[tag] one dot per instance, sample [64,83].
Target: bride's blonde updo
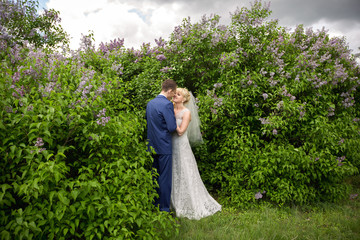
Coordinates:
[185,93]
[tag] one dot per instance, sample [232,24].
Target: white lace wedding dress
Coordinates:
[189,197]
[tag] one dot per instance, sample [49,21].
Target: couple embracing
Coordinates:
[169,126]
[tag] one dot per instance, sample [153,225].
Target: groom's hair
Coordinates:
[168,84]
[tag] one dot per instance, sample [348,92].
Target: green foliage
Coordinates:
[280,126]
[74,160]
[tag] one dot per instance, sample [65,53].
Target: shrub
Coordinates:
[281,121]
[74,160]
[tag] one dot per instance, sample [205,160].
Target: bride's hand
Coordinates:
[178,131]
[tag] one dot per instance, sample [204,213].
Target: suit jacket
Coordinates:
[161,123]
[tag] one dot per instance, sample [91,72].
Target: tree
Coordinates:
[20,22]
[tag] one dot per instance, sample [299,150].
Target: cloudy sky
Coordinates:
[139,21]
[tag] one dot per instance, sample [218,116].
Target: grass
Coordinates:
[319,221]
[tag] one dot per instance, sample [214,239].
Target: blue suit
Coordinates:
[161,123]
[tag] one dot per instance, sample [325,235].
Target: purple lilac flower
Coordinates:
[233,63]
[302,114]
[348,102]
[215,39]
[86,43]
[16,77]
[160,57]
[8,109]
[103,121]
[230,59]
[204,35]
[30,108]
[39,142]
[265,96]
[161,42]
[353,196]
[218,102]
[114,44]
[49,87]
[213,110]
[284,92]
[341,141]
[117,68]
[218,85]
[101,113]
[331,112]
[340,72]
[166,69]
[258,195]
[273,82]
[86,91]
[264,121]
[100,90]
[222,28]
[340,159]
[86,77]
[263,72]
[275,132]
[42,149]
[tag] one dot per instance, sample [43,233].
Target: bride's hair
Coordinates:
[185,93]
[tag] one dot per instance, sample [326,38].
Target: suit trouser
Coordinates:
[163,165]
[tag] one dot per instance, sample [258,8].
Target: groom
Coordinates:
[161,123]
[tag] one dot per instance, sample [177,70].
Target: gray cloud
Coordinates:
[340,17]
[296,11]
[92,12]
[310,11]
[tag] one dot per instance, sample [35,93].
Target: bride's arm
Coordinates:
[184,124]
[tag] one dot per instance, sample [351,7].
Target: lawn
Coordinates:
[318,221]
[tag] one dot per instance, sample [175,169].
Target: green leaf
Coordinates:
[46,132]
[63,198]
[75,193]
[49,156]
[51,196]
[19,220]
[5,235]
[77,221]
[5,186]
[12,149]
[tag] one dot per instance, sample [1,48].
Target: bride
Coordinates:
[189,197]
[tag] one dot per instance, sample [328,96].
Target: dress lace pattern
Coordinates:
[189,197]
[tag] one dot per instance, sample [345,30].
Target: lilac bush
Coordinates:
[284,94]
[289,97]
[72,148]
